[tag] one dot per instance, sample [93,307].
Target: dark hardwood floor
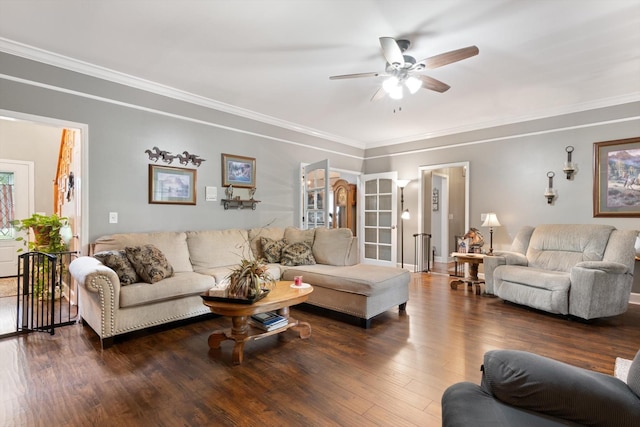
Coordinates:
[392,374]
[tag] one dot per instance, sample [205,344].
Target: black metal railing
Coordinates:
[46,292]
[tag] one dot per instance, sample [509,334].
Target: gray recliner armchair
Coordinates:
[583,270]
[524,389]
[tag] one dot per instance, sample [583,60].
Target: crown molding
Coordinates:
[40,55]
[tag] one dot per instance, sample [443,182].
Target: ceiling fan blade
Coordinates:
[433,84]
[449,57]
[392,52]
[378,95]
[354,76]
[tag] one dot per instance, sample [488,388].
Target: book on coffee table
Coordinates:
[268,318]
[271,327]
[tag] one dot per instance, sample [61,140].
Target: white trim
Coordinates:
[164,113]
[65,62]
[502,138]
[634,299]
[50,58]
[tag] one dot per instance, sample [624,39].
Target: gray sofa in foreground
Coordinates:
[583,270]
[113,303]
[524,389]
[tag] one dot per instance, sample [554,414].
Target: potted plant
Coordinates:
[249,279]
[46,230]
[47,239]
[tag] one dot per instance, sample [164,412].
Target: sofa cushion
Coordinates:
[149,262]
[179,285]
[117,261]
[295,235]
[299,253]
[333,246]
[172,244]
[561,246]
[633,377]
[546,279]
[275,233]
[532,382]
[217,248]
[362,279]
[272,249]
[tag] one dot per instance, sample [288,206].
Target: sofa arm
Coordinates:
[92,274]
[606,266]
[599,289]
[544,385]
[491,262]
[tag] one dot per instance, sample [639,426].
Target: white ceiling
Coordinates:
[271,59]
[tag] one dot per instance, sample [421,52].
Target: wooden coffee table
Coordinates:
[280,298]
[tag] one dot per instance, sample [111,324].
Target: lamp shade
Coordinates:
[491,220]
[402,182]
[405,214]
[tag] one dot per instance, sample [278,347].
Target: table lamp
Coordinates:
[491,220]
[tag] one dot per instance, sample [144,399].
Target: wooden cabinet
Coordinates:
[344,205]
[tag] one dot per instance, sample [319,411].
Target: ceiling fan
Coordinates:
[402,70]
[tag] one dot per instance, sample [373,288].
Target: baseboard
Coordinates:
[634,299]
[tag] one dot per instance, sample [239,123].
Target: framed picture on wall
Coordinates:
[238,171]
[171,185]
[616,178]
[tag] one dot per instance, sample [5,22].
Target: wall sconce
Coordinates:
[550,193]
[404,215]
[569,166]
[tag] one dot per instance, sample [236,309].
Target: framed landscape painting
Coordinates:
[616,178]
[170,185]
[238,171]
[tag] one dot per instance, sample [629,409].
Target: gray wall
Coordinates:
[123,122]
[508,164]
[508,167]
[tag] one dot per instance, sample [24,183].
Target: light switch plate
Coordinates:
[113,217]
[211,194]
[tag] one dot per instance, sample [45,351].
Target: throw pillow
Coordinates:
[118,262]
[149,262]
[633,378]
[272,249]
[299,253]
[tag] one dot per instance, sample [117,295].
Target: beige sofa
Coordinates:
[201,260]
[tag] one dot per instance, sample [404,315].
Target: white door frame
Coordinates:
[82,181]
[421,169]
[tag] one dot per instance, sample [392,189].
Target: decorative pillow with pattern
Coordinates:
[272,249]
[149,262]
[118,262]
[299,253]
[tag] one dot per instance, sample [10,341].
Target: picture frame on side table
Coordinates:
[172,186]
[616,178]
[238,171]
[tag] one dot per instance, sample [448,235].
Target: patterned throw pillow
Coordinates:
[272,249]
[149,262]
[297,254]
[118,262]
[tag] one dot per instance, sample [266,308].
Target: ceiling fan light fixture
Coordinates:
[413,84]
[396,93]
[390,85]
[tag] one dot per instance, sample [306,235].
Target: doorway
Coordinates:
[444,210]
[35,140]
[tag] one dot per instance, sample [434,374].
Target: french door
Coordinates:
[378,228]
[316,204]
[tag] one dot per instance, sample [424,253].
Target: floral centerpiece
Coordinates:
[249,279]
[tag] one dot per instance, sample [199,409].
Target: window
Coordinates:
[7,212]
